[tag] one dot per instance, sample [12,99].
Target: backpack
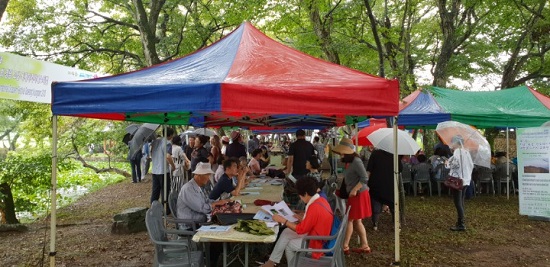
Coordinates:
[336,222]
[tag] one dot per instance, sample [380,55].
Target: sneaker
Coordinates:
[375,227]
[458,228]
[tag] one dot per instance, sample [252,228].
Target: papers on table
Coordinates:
[215,228]
[254,188]
[263,216]
[280,209]
[244,193]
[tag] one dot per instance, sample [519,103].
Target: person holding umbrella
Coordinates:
[381,182]
[135,163]
[355,179]
[461,166]
[162,162]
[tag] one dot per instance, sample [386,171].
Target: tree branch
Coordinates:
[111,20]
[85,164]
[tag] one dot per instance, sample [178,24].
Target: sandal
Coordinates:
[346,251]
[365,250]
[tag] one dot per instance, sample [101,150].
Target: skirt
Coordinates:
[360,206]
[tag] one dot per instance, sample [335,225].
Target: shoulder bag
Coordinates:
[455,182]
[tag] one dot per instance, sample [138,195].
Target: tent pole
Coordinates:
[397,223]
[356,138]
[507,164]
[165,187]
[53,193]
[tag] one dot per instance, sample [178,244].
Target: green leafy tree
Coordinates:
[27,174]
[8,127]
[113,36]
[527,44]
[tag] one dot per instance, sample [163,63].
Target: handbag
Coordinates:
[343,192]
[453,182]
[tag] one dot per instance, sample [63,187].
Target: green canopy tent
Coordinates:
[514,107]
[509,108]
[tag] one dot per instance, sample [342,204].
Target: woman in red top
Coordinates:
[317,220]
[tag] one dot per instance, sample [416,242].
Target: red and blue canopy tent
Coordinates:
[418,109]
[246,79]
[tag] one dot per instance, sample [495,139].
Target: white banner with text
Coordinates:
[533,147]
[28,79]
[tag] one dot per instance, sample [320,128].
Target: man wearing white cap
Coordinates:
[193,203]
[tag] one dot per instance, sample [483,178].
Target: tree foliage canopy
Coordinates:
[500,43]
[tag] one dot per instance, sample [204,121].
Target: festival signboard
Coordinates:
[533,147]
[28,79]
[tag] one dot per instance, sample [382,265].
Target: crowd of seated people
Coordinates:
[420,167]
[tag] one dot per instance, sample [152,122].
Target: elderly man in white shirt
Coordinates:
[193,203]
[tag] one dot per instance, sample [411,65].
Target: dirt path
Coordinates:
[84,233]
[497,235]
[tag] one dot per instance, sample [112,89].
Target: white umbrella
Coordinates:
[383,139]
[474,142]
[188,133]
[204,131]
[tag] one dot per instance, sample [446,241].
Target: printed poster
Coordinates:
[28,79]
[533,147]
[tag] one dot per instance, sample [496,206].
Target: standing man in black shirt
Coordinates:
[298,154]
[235,149]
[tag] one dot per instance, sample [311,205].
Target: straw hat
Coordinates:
[235,135]
[344,147]
[203,168]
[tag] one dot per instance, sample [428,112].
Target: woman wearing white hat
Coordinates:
[355,179]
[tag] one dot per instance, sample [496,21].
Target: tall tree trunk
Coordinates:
[3,6]
[147,28]
[9,205]
[13,142]
[322,29]
[447,17]
[379,46]
[457,23]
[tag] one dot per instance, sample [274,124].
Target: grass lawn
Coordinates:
[496,235]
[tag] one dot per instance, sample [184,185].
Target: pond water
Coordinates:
[68,196]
